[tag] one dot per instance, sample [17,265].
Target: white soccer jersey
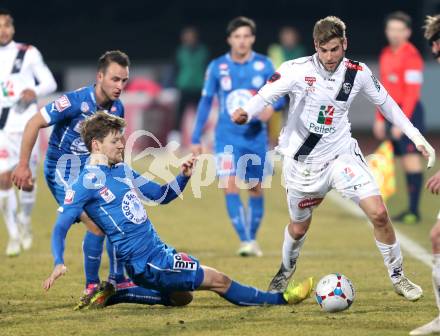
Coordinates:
[32,69]
[318,127]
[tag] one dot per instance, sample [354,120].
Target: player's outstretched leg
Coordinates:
[8,205]
[92,249]
[243,295]
[27,201]
[433,326]
[290,254]
[389,247]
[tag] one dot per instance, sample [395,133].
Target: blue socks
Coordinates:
[237,215]
[249,296]
[116,268]
[92,249]
[414,182]
[255,213]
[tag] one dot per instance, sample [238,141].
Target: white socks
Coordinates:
[27,202]
[392,258]
[291,248]
[8,205]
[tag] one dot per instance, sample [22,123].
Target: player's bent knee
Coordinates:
[435,234]
[179,299]
[379,216]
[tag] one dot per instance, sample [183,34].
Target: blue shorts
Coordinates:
[244,158]
[168,271]
[404,145]
[59,178]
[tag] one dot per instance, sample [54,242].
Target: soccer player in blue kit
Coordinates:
[240,151]
[66,154]
[109,191]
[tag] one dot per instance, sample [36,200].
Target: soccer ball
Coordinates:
[334,293]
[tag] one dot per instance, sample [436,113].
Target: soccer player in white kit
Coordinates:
[432,34]
[21,66]
[319,152]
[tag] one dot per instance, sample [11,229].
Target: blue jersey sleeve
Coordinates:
[210,88]
[161,194]
[65,107]
[69,212]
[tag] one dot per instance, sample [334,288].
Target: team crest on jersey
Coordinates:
[68,198]
[223,66]
[62,103]
[257,81]
[113,109]
[85,107]
[346,87]
[226,83]
[133,209]
[258,65]
[107,195]
[310,80]
[182,261]
[275,76]
[238,98]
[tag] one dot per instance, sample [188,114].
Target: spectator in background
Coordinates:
[288,48]
[401,72]
[191,61]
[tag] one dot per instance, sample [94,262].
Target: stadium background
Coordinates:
[72,35]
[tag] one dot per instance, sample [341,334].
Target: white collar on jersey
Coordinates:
[10,45]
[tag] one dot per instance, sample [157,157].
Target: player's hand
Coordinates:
[196,149]
[58,271]
[379,129]
[433,184]
[22,177]
[239,116]
[28,96]
[266,114]
[396,133]
[187,167]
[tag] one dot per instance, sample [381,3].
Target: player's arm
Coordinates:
[210,88]
[278,85]
[73,206]
[46,81]
[377,94]
[50,114]
[164,194]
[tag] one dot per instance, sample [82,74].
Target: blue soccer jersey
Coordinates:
[65,143]
[111,197]
[234,84]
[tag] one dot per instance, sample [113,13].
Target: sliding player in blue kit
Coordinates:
[109,191]
[240,152]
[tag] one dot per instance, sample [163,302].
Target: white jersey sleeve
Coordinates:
[279,84]
[371,88]
[46,81]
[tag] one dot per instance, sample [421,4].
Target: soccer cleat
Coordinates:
[409,290]
[101,296]
[256,249]
[25,232]
[245,249]
[13,249]
[84,300]
[407,217]
[281,279]
[428,329]
[297,293]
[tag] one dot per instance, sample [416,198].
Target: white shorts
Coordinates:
[307,184]
[10,144]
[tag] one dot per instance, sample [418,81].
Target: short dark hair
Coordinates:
[327,29]
[113,56]
[98,126]
[7,12]
[241,21]
[399,16]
